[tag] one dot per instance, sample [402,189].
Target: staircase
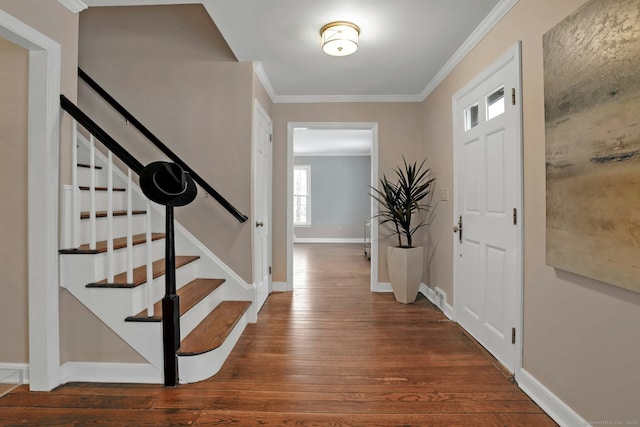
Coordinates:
[113,263]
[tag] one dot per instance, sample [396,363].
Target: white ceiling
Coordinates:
[331,142]
[406,48]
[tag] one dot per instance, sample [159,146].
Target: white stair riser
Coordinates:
[138,223]
[120,264]
[80,270]
[84,177]
[102,201]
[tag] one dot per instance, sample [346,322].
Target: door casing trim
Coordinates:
[43,192]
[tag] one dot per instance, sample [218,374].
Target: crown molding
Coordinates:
[74,6]
[306,99]
[262,76]
[478,34]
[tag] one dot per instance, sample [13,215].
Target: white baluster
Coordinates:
[150,300]
[92,190]
[129,229]
[110,260]
[75,192]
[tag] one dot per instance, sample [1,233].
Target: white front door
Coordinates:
[262,204]
[487,223]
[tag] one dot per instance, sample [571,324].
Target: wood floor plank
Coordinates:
[53,400]
[330,353]
[254,418]
[96,417]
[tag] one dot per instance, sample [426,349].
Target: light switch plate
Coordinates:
[444,194]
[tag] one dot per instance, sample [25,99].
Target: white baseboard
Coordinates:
[549,402]
[384,287]
[279,287]
[429,294]
[328,240]
[439,298]
[136,373]
[10,372]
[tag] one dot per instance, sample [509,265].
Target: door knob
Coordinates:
[259,224]
[458,229]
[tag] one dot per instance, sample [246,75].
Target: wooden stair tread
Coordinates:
[214,329]
[119,243]
[83,165]
[190,295]
[140,274]
[103,214]
[87,188]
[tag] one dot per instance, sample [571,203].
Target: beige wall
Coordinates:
[58,23]
[399,133]
[14,68]
[580,335]
[85,338]
[172,69]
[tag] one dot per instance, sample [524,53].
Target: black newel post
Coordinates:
[169,185]
[170,308]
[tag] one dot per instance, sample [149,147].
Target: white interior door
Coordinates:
[262,205]
[488,185]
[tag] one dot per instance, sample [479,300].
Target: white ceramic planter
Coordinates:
[405,272]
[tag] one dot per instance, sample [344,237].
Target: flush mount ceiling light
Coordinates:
[339,38]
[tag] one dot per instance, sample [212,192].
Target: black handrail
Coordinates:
[161,146]
[102,136]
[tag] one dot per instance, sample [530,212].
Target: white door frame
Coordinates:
[259,110]
[373,127]
[513,54]
[43,164]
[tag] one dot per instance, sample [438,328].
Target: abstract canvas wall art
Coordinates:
[592,124]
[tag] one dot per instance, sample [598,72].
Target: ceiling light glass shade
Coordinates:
[339,38]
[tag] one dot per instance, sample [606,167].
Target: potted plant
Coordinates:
[401,202]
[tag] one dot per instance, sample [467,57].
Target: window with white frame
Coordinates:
[302,195]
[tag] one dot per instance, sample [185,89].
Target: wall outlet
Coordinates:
[439,298]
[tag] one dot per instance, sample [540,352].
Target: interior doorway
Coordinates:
[330,167]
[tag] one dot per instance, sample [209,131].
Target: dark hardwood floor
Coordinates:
[329,354]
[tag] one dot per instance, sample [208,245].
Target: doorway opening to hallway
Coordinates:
[331,167]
